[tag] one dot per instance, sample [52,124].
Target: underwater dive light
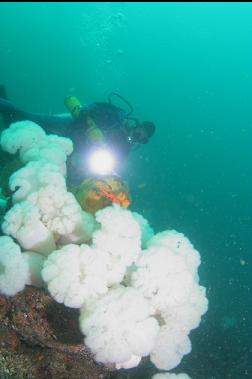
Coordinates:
[102,161]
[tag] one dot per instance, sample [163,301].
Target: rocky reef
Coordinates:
[40,338]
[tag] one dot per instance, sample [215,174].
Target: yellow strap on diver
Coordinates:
[95,135]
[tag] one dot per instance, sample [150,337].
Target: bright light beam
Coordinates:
[102,162]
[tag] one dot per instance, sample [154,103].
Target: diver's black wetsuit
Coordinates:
[106,117]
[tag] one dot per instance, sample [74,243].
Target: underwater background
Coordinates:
[188,68]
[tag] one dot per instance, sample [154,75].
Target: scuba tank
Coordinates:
[73,105]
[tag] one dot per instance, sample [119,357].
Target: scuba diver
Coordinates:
[98,124]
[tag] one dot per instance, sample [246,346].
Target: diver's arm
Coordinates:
[60,125]
[51,124]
